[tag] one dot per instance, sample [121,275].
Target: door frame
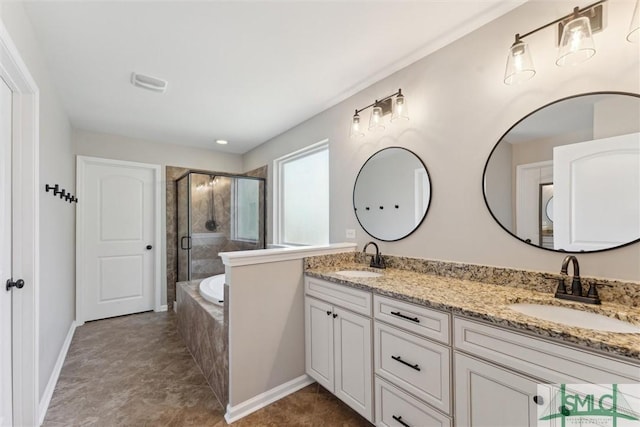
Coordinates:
[26,229]
[81,162]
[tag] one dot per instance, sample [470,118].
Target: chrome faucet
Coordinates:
[376,260]
[576,285]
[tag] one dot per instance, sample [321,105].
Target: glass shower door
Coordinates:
[184,228]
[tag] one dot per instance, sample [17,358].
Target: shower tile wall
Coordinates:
[206,244]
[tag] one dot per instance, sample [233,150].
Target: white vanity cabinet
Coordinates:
[502,389]
[487,395]
[413,372]
[338,342]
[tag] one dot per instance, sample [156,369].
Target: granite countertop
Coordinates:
[489,303]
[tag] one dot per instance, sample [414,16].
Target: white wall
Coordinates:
[118,147]
[459,108]
[57,217]
[267,349]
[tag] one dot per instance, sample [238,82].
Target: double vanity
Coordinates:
[432,343]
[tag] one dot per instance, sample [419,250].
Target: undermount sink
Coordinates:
[578,318]
[358,273]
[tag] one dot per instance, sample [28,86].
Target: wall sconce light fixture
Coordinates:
[396,104]
[575,42]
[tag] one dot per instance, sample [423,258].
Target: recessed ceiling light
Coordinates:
[221,142]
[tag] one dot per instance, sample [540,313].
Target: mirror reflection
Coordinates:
[567,176]
[392,193]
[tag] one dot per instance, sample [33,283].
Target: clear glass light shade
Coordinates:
[375,122]
[519,64]
[576,44]
[356,127]
[400,111]
[634,28]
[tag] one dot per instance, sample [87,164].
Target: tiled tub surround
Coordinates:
[484,293]
[205,331]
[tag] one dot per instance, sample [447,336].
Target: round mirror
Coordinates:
[392,193]
[567,176]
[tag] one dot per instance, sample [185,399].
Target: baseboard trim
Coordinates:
[53,379]
[234,413]
[162,308]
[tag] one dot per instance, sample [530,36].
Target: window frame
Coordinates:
[278,199]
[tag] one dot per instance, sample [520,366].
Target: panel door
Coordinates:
[117,217]
[5,255]
[319,341]
[353,368]
[528,180]
[597,193]
[488,396]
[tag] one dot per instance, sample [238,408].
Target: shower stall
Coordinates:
[217,213]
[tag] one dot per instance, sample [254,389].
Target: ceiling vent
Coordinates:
[147,82]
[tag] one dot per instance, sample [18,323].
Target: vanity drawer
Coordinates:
[415,364]
[395,407]
[414,318]
[341,295]
[551,362]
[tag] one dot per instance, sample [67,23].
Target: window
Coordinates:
[301,196]
[246,209]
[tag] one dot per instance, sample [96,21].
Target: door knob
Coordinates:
[149,247]
[17,284]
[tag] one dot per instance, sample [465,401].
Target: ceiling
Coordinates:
[237,70]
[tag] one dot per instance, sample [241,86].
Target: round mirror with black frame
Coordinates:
[566,177]
[392,194]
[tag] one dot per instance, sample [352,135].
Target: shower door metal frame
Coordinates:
[189,222]
[188,236]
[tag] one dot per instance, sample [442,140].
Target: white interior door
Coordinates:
[597,193]
[117,221]
[528,180]
[6,401]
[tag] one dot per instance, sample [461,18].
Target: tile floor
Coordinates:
[135,371]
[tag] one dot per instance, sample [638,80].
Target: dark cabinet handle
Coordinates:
[399,359]
[399,419]
[149,247]
[538,400]
[413,319]
[328,313]
[335,315]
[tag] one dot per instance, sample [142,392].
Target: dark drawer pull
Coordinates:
[399,419]
[413,319]
[399,359]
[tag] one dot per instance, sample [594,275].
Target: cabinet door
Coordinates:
[353,373]
[319,341]
[488,396]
